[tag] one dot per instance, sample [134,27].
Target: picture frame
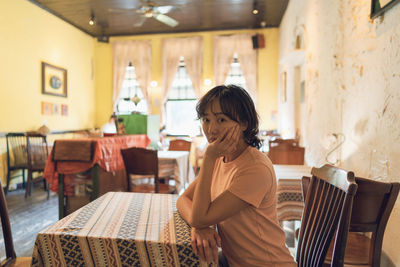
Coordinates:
[378,7]
[54,80]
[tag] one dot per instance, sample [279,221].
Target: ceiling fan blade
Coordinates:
[166,20]
[140,21]
[164,9]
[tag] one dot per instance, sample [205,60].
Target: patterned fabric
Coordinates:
[119,229]
[289,193]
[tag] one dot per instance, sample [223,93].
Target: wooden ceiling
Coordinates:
[118,17]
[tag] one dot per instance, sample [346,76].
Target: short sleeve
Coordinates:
[252,184]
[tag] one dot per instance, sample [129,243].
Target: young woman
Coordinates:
[235,189]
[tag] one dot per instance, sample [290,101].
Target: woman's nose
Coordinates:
[213,128]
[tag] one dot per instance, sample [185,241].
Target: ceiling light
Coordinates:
[91,20]
[255,8]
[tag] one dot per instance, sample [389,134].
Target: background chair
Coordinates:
[11,259]
[144,162]
[372,206]
[16,157]
[286,151]
[38,153]
[180,145]
[327,210]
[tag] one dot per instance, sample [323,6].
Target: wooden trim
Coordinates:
[3,134]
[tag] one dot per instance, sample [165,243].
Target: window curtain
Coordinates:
[224,48]
[139,53]
[191,48]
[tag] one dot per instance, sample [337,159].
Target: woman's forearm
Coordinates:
[184,206]
[202,194]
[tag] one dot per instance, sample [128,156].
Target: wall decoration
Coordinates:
[56,109]
[47,108]
[54,80]
[283,86]
[378,7]
[64,110]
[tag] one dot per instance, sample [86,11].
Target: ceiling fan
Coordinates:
[150,9]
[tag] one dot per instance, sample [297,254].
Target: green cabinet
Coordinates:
[142,124]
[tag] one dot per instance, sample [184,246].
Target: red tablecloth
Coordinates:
[106,153]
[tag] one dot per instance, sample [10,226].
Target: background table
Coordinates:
[289,193]
[130,229]
[88,168]
[178,161]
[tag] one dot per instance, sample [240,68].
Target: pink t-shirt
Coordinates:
[253,236]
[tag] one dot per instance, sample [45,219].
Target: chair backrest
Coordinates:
[141,161]
[5,223]
[286,151]
[38,151]
[16,150]
[180,145]
[327,211]
[372,206]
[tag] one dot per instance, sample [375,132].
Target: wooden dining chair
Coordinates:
[16,157]
[327,210]
[372,206]
[38,152]
[144,163]
[180,145]
[286,151]
[11,258]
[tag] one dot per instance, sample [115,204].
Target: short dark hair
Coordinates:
[237,104]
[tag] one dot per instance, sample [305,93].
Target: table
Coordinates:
[119,229]
[178,161]
[289,193]
[88,168]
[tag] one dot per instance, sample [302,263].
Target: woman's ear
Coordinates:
[243,126]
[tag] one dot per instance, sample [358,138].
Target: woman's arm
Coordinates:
[184,203]
[204,212]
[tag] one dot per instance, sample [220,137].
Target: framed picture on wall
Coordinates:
[380,6]
[54,80]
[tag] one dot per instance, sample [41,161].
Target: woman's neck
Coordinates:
[239,150]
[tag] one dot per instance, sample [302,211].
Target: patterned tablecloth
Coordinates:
[119,229]
[289,193]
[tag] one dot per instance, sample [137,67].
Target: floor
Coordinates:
[30,215]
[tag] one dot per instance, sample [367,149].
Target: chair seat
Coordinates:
[21,262]
[149,188]
[357,250]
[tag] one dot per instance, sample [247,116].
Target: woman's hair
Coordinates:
[237,104]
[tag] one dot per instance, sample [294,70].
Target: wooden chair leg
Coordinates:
[28,185]
[8,181]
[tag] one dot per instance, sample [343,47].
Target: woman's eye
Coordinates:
[221,120]
[203,120]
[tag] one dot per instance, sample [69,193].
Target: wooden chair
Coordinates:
[38,152]
[327,210]
[372,207]
[180,145]
[16,156]
[144,162]
[286,151]
[11,258]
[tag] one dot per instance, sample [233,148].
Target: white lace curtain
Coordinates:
[137,52]
[224,49]
[191,48]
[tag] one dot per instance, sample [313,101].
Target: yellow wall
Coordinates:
[29,35]
[267,71]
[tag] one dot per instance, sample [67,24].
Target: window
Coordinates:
[235,75]
[130,89]
[181,116]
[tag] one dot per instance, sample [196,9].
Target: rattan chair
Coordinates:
[16,157]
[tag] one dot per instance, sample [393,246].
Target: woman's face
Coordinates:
[214,122]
